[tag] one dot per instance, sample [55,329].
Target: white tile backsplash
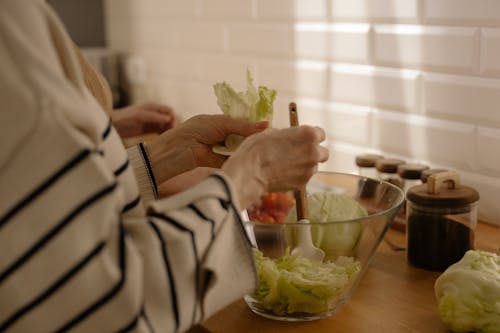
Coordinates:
[340,42]
[469,99]
[227,9]
[462,12]
[347,123]
[488,154]
[206,36]
[260,39]
[442,142]
[381,87]
[297,78]
[490,51]
[418,79]
[222,67]
[392,10]
[445,48]
[292,9]
[171,63]
[311,41]
[489,192]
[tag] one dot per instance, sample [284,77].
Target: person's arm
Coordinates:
[70,258]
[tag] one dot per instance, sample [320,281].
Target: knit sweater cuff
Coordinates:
[140,164]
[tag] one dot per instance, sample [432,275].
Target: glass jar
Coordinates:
[410,174]
[366,165]
[441,221]
[387,169]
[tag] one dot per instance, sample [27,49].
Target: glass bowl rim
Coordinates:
[395,207]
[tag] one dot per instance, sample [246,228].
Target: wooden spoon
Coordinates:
[305,246]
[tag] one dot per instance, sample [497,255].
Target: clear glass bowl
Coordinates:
[349,244]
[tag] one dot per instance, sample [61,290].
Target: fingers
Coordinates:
[324,154]
[161,109]
[318,136]
[276,160]
[156,122]
[312,134]
[240,127]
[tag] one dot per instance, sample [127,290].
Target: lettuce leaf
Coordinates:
[468,293]
[254,104]
[294,284]
[336,239]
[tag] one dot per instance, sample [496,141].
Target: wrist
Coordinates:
[168,158]
[247,180]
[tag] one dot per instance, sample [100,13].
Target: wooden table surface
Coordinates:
[392,297]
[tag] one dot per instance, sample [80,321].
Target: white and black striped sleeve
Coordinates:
[72,258]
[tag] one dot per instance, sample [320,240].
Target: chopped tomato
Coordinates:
[274,208]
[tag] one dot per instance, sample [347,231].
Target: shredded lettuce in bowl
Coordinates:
[294,284]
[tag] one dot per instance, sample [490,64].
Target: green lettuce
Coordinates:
[335,239]
[294,284]
[468,293]
[255,104]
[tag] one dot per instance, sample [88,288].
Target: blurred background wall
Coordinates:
[413,79]
[84,20]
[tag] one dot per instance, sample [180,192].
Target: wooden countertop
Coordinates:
[392,297]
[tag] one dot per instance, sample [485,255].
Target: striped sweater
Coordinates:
[84,247]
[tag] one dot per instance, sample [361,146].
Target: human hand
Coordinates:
[142,119]
[275,160]
[184,181]
[189,145]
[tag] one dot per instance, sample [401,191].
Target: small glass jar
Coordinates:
[410,174]
[387,169]
[441,221]
[366,165]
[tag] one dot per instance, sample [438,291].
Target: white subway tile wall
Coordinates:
[412,79]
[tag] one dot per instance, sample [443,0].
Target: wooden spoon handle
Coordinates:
[300,194]
[294,117]
[301,202]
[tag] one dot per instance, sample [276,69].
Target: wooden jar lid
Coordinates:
[388,165]
[367,160]
[411,170]
[443,190]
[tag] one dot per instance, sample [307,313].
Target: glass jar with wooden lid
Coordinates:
[387,169]
[410,174]
[441,221]
[366,165]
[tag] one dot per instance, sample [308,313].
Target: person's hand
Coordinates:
[275,160]
[184,181]
[142,119]
[189,145]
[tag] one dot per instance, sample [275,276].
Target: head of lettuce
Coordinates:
[468,293]
[254,105]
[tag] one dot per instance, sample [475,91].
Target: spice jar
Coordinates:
[410,174]
[387,170]
[441,220]
[366,165]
